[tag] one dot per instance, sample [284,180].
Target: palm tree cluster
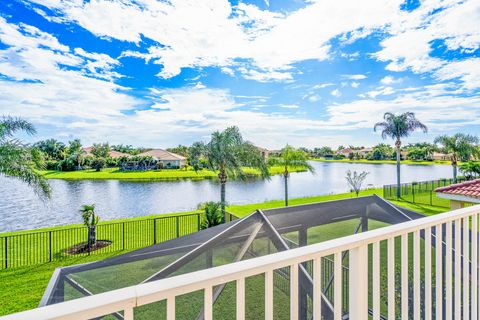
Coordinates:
[228,154]
[398,127]
[19,160]
[459,147]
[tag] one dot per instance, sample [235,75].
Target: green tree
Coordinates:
[180,150]
[101,150]
[459,147]
[90,220]
[470,169]
[53,149]
[355,180]
[17,159]
[227,153]
[397,127]
[213,214]
[290,158]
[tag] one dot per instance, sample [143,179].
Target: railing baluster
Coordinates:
[208,304]
[391,278]
[404,275]
[438,272]
[448,271]
[474,266]
[294,292]
[171,308]
[317,289]
[128,313]
[416,275]
[466,268]
[337,286]
[358,284]
[241,299]
[376,280]
[269,295]
[428,274]
[458,275]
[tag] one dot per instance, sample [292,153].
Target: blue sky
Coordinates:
[309,73]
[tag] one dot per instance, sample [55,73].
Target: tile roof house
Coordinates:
[461,193]
[166,158]
[112,153]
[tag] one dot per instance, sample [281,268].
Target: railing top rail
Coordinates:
[109,302]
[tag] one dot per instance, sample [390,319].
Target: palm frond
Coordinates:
[10,125]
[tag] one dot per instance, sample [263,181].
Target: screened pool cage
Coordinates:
[258,234]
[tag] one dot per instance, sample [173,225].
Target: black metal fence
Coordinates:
[420,192]
[31,248]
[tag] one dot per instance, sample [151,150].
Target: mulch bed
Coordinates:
[83,248]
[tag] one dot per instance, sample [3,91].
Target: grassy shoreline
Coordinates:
[166,174]
[409,162]
[27,284]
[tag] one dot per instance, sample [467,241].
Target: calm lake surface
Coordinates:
[21,209]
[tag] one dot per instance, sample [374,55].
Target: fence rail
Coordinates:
[38,247]
[422,192]
[427,268]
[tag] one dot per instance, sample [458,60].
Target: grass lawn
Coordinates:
[166,174]
[442,162]
[22,288]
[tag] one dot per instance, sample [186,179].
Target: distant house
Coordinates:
[461,194]
[345,152]
[440,156]
[112,153]
[264,152]
[165,158]
[364,152]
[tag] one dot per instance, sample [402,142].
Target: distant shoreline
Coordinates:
[364,161]
[151,175]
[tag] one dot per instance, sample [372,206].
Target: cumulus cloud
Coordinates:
[336,93]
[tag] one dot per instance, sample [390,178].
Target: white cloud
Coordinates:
[194,33]
[336,93]
[228,71]
[389,80]
[354,84]
[289,106]
[354,76]
[381,91]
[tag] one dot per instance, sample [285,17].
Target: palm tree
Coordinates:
[17,159]
[460,147]
[90,220]
[398,127]
[290,157]
[227,153]
[213,214]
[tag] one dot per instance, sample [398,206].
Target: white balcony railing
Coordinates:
[444,279]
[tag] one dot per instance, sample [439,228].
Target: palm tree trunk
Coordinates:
[454,165]
[285,175]
[92,237]
[398,145]
[223,181]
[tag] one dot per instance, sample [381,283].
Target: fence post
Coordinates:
[431,197]
[123,236]
[154,230]
[6,252]
[413,192]
[177,221]
[50,244]
[198,222]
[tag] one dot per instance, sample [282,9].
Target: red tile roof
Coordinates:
[467,189]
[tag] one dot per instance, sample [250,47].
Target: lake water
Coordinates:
[21,209]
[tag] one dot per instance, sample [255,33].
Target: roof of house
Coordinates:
[467,189]
[346,150]
[161,154]
[111,153]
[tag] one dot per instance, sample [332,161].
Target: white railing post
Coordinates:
[317,289]
[358,283]
[171,308]
[269,295]
[241,299]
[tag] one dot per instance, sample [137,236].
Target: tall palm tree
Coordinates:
[459,146]
[290,158]
[227,153]
[17,159]
[398,127]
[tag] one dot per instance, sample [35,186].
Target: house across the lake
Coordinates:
[112,153]
[165,159]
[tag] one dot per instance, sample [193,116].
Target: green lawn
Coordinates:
[438,162]
[166,174]
[22,288]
